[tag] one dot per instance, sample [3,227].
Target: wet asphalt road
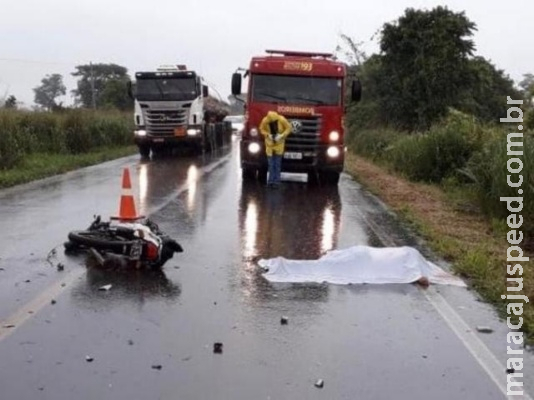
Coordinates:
[365,342]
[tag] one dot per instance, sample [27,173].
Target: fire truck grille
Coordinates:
[305,135]
[163,122]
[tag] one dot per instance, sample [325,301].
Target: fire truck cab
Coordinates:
[309,90]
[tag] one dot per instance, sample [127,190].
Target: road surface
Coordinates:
[151,336]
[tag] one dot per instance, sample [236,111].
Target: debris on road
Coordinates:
[105,287]
[8,326]
[284,320]
[217,348]
[510,371]
[158,367]
[319,383]
[484,329]
[53,302]
[130,342]
[89,359]
[60,267]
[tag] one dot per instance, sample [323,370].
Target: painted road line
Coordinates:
[478,349]
[30,309]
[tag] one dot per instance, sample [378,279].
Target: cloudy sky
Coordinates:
[39,37]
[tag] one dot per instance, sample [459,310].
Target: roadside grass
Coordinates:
[41,165]
[455,229]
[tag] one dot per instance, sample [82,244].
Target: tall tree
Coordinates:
[485,94]
[50,89]
[424,64]
[102,85]
[11,102]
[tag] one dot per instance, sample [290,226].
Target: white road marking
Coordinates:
[480,352]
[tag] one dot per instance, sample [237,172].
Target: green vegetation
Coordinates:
[37,144]
[430,123]
[37,166]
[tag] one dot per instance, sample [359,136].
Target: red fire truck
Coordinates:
[309,90]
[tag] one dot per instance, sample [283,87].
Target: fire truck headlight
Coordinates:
[140,133]
[333,136]
[193,132]
[254,132]
[333,152]
[253,148]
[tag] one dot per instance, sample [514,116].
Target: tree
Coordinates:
[527,86]
[424,65]
[485,94]
[51,87]
[103,84]
[11,102]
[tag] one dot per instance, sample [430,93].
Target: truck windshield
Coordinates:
[304,90]
[166,89]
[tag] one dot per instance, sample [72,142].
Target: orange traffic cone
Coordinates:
[127,205]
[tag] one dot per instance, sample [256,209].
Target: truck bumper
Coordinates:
[168,140]
[295,160]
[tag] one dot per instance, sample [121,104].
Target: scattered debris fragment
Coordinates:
[484,329]
[63,284]
[218,348]
[284,320]
[130,342]
[53,302]
[8,326]
[319,383]
[27,281]
[158,367]
[89,359]
[105,287]
[60,267]
[2,269]
[187,358]
[425,356]
[510,371]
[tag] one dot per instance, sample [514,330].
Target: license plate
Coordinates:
[159,140]
[136,249]
[293,156]
[179,131]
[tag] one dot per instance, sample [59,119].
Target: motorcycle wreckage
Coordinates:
[137,243]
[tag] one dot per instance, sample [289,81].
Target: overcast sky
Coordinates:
[40,37]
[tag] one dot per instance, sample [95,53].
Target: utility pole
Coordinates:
[93,94]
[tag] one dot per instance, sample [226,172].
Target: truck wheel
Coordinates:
[144,151]
[248,174]
[330,178]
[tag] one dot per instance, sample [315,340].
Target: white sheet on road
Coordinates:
[359,264]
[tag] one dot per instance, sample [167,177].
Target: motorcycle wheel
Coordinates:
[100,241]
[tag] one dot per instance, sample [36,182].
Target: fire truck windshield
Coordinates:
[302,90]
[165,88]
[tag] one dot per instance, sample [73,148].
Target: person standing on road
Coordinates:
[275,129]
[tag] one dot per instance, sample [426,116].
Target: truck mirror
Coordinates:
[356,90]
[205,91]
[129,88]
[236,83]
